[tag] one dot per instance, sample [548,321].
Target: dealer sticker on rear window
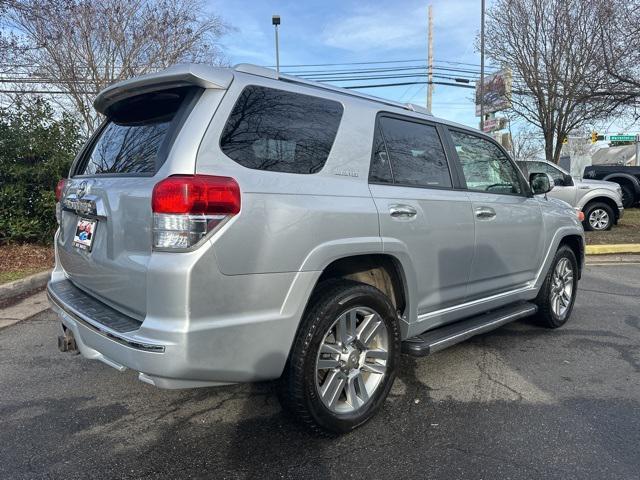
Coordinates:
[85,231]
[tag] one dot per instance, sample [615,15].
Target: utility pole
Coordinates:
[430,61]
[482,65]
[275,21]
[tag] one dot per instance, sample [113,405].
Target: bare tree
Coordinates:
[619,53]
[526,145]
[6,38]
[82,46]
[552,48]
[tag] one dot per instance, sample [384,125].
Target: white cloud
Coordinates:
[380,30]
[404,26]
[247,42]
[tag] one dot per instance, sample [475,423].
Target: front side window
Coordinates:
[281,131]
[486,168]
[412,154]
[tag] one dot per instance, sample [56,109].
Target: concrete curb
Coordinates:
[24,285]
[613,259]
[24,309]
[616,248]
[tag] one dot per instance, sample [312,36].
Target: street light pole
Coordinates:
[430,60]
[482,65]
[275,21]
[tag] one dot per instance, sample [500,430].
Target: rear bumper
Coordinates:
[192,351]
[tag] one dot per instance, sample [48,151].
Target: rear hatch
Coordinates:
[105,238]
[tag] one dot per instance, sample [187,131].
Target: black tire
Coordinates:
[546,314]
[628,196]
[298,392]
[598,209]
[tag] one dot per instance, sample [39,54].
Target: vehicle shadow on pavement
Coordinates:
[432,439]
[519,402]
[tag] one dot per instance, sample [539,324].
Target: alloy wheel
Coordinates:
[599,219]
[352,360]
[562,287]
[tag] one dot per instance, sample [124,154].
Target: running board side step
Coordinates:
[435,340]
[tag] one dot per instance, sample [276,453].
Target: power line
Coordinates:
[369,62]
[326,76]
[399,75]
[46,92]
[346,63]
[394,69]
[398,84]
[333,75]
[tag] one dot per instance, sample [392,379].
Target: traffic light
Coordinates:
[594,137]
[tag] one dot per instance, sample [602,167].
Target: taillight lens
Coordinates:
[187,207]
[59,192]
[60,188]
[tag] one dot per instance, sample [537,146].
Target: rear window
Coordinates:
[281,131]
[134,137]
[408,153]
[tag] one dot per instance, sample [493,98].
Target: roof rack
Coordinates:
[270,73]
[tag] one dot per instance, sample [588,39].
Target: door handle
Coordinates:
[402,211]
[485,213]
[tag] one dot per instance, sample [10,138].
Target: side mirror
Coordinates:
[540,183]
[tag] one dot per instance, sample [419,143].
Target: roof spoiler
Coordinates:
[177,76]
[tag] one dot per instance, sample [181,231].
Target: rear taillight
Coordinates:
[59,193]
[60,188]
[187,207]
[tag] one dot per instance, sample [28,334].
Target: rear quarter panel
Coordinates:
[292,222]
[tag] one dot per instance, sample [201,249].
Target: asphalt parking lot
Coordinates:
[520,402]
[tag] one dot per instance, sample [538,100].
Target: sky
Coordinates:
[314,32]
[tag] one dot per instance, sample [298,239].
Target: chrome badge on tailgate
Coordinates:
[80,206]
[77,203]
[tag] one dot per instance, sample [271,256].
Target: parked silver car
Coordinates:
[230,225]
[600,201]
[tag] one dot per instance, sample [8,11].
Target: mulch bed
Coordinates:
[26,257]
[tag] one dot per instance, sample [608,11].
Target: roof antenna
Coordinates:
[275,21]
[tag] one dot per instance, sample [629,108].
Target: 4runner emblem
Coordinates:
[346,172]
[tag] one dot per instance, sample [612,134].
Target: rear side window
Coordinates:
[281,131]
[134,134]
[380,171]
[413,155]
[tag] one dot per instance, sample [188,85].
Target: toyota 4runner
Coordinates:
[233,225]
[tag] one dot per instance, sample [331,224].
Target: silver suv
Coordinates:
[230,225]
[600,201]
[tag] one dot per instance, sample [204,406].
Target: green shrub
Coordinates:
[36,150]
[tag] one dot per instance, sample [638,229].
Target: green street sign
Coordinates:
[622,138]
